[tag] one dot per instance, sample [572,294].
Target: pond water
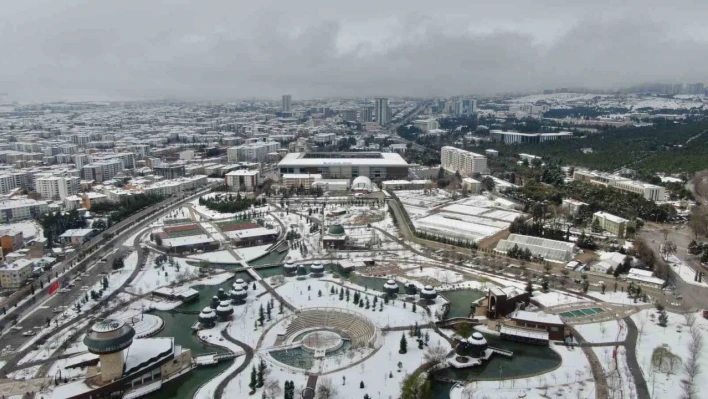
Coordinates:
[301,358]
[460,301]
[178,325]
[527,360]
[269,258]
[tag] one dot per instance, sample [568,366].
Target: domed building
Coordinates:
[301,272]
[224,310]
[207,317]
[390,288]
[475,346]
[238,295]
[317,269]
[240,283]
[428,293]
[214,302]
[290,268]
[362,184]
[222,294]
[411,289]
[336,237]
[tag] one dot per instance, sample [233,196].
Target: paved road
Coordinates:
[41,314]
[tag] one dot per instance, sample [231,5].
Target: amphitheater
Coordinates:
[354,326]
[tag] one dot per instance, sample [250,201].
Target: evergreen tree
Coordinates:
[361,385]
[261,374]
[254,380]
[404,345]
[341,294]
[268,313]
[261,317]
[347,294]
[414,307]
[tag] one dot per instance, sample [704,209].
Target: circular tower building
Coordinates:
[107,339]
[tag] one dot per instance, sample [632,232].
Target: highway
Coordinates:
[33,314]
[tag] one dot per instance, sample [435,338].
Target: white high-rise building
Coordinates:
[473,105]
[254,152]
[287,103]
[57,187]
[466,162]
[382,112]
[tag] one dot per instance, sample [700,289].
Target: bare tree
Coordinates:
[326,389]
[692,367]
[273,388]
[435,354]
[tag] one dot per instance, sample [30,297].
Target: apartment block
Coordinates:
[465,162]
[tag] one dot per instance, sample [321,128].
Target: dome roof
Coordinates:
[336,230]
[207,310]
[362,183]
[107,325]
[290,265]
[317,266]
[240,281]
[390,282]
[109,336]
[476,339]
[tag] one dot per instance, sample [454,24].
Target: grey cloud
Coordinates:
[225,50]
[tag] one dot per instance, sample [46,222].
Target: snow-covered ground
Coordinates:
[573,379]
[618,297]
[555,298]
[606,331]
[675,337]
[153,277]
[51,345]
[296,292]
[58,367]
[619,378]
[441,275]
[686,272]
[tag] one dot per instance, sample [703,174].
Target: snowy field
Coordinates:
[618,297]
[606,331]
[635,101]
[684,271]
[619,377]
[24,374]
[555,298]
[666,382]
[153,277]
[296,292]
[442,276]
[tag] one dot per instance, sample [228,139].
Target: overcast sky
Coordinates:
[231,49]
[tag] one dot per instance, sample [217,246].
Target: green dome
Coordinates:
[336,230]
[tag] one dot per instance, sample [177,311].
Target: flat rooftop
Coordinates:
[343,158]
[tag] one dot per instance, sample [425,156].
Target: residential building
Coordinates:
[377,166]
[102,170]
[287,103]
[465,162]
[170,171]
[21,209]
[243,180]
[84,200]
[471,185]
[299,179]
[611,223]
[76,237]
[517,138]
[382,111]
[176,186]
[253,152]
[14,275]
[366,114]
[11,240]
[57,187]
[491,153]
[572,205]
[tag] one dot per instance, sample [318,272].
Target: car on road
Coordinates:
[64,290]
[29,333]
[85,288]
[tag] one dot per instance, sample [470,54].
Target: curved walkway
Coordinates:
[219,393]
[630,345]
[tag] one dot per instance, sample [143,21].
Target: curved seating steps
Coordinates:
[360,331]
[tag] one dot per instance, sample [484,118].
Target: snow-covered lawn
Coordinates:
[443,276]
[557,298]
[573,379]
[666,383]
[606,331]
[613,297]
[153,277]
[686,272]
[619,378]
[216,257]
[72,373]
[296,292]
[47,349]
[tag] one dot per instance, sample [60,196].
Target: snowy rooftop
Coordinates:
[536,317]
[385,159]
[146,351]
[186,240]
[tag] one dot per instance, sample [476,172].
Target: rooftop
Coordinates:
[343,158]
